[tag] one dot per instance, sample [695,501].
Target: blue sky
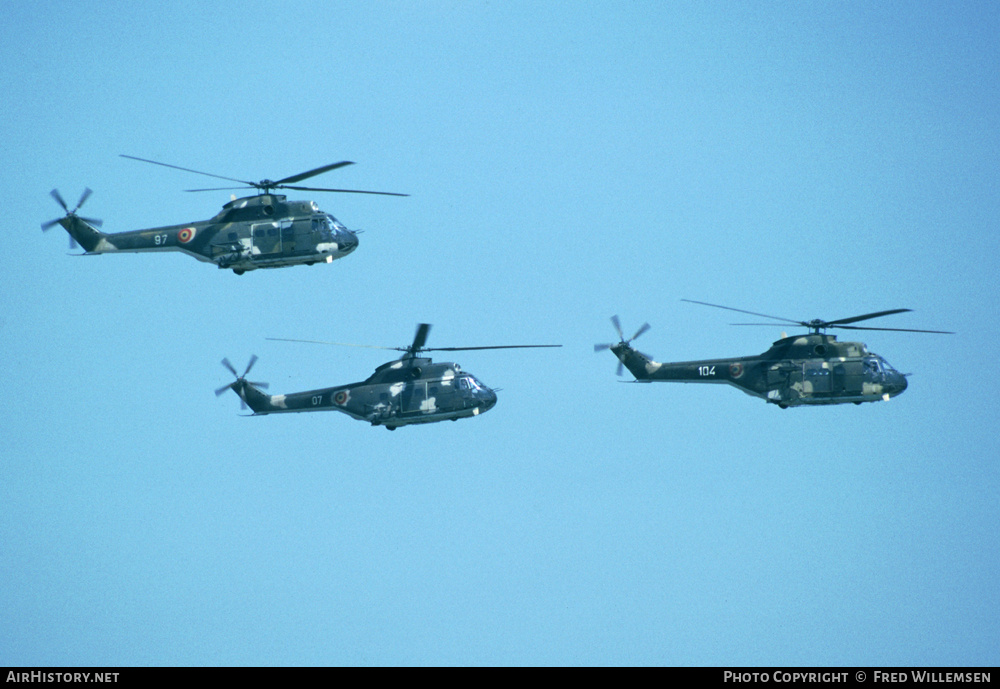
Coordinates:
[566,162]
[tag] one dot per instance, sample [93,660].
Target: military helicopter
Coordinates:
[409,390]
[801,370]
[262,231]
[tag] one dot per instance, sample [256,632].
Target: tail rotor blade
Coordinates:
[59,199]
[640,331]
[253,360]
[83,198]
[225,362]
[618,327]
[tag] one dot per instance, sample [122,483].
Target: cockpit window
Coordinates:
[321,224]
[469,383]
[327,225]
[336,224]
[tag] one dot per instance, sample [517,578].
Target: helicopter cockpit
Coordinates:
[879,366]
[332,231]
[469,386]
[881,371]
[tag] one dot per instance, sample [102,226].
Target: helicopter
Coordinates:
[409,390]
[802,370]
[262,231]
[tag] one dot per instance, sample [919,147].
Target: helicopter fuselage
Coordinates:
[263,231]
[399,393]
[812,369]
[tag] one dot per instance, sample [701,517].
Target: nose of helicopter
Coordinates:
[897,385]
[347,241]
[489,399]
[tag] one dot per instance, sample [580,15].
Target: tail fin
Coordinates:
[83,233]
[638,364]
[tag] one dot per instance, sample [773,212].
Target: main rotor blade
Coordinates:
[343,191]
[867,316]
[312,173]
[467,349]
[861,327]
[898,330]
[220,189]
[411,348]
[420,338]
[186,169]
[338,344]
[752,313]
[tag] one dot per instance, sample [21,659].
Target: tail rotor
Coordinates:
[237,385]
[46,226]
[622,341]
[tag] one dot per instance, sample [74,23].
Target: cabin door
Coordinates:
[266,239]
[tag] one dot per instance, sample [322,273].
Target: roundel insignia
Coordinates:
[736,370]
[185,235]
[340,398]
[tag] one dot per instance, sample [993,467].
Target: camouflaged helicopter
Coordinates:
[409,390]
[801,370]
[262,231]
